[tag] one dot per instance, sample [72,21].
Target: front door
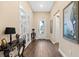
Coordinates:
[41,34]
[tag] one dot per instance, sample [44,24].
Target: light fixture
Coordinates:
[41,5]
[10,30]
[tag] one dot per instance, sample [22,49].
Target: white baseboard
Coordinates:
[52,41]
[42,38]
[28,44]
[62,53]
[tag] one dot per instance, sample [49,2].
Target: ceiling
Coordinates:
[41,6]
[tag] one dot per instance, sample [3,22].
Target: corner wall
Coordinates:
[9,17]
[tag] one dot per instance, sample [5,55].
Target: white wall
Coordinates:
[9,17]
[68,48]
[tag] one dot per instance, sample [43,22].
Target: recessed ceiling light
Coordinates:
[41,5]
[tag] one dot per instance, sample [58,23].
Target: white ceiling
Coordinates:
[41,6]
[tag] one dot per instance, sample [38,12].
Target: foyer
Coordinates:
[56,26]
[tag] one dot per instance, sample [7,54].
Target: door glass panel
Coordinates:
[41,27]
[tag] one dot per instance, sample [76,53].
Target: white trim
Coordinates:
[53,41]
[27,44]
[62,53]
[43,38]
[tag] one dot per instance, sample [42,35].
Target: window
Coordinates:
[41,26]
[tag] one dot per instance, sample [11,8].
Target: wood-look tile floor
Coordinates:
[41,48]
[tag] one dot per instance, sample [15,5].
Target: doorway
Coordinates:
[56,27]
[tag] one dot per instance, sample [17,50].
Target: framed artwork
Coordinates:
[70,26]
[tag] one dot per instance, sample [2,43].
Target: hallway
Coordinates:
[57,21]
[41,48]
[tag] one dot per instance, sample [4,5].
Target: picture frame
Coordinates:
[70,22]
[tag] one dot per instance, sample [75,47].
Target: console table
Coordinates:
[11,47]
